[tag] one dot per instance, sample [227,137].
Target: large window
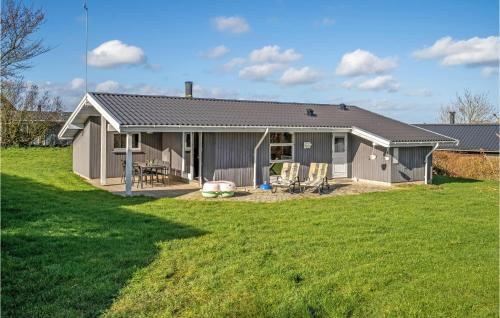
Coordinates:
[120,142]
[281,147]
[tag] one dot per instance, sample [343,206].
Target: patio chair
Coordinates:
[317,179]
[289,177]
[135,173]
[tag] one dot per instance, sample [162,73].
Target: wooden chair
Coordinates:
[289,177]
[317,179]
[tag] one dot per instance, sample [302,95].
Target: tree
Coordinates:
[469,108]
[19,23]
[26,113]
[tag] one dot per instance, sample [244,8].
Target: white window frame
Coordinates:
[123,149]
[395,155]
[282,144]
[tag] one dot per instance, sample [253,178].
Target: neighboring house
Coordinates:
[57,121]
[238,140]
[473,138]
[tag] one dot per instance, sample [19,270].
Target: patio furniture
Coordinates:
[289,177]
[317,179]
[149,169]
[135,172]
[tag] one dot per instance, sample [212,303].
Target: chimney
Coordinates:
[342,106]
[452,118]
[188,89]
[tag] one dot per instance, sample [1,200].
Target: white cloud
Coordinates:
[488,71]
[472,52]
[271,53]
[115,53]
[304,75]
[233,63]
[362,62]
[77,83]
[216,52]
[422,92]
[384,82]
[259,72]
[108,86]
[234,24]
[214,92]
[326,22]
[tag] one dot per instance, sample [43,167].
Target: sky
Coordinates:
[403,59]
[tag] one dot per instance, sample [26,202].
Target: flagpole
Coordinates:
[86,43]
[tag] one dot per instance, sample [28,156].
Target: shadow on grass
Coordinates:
[438,180]
[68,253]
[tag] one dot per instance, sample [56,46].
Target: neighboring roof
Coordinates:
[147,110]
[471,137]
[51,116]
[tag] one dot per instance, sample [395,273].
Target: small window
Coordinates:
[187,141]
[120,142]
[281,153]
[339,144]
[281,138]
[281,147]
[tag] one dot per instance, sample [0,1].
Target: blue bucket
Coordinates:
[265,186]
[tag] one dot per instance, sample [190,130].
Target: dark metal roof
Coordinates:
[472,137]
[166,110]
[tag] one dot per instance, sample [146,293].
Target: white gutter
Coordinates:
[427,164]
[255,158]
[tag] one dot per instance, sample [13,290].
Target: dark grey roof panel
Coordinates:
[472,137]
[167,110]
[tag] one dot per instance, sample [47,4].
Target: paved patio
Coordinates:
[191,191]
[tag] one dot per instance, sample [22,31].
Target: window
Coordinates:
[187,141]
[120,142]
[395,155]
[339,144]
[281,147]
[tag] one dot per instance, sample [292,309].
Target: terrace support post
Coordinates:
[255,150]
[427,174]
[200,158]
[128,165]
[104,125]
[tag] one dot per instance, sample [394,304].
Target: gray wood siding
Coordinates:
[172,149]
[95,147]
[364,168]
[229,156]
[151,148]
[411,165]
[350,154]
[320,151]
[81,152]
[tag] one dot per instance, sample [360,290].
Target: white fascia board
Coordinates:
[69,123]
[109,118]
[378,140]
[186,128]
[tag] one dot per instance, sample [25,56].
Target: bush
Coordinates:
[464,165]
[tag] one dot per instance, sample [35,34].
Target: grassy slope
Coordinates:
[71,250]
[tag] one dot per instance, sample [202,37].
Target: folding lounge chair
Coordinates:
[317,179]
[289,177]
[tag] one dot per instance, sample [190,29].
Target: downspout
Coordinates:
[426,178]
[255,158]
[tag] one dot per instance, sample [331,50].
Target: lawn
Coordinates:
[71,250]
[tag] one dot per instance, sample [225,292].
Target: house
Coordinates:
[473,138]
[56,121]
[238,140]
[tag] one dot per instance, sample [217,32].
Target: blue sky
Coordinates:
[403,59]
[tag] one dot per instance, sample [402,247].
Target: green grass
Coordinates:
[70,250]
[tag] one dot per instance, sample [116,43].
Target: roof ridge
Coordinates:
[223,99]
[460,124]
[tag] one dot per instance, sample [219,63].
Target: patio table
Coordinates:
[143,167]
